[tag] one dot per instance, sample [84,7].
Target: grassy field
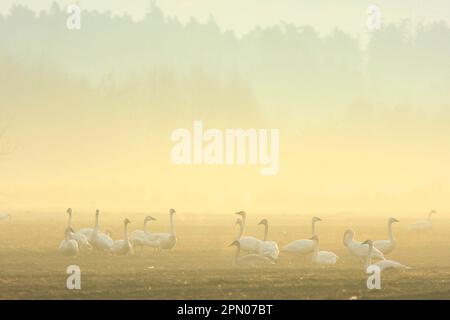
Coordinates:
[200,265]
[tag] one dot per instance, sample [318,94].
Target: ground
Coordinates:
[200,267]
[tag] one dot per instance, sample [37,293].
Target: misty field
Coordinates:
[200,267]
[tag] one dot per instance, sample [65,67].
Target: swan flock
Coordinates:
[250,251]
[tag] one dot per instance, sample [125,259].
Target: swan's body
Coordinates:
[424,224]
[68,246]
[166,240]
[250,260]
[386,246]
[322,257]
[303,246]
[100,241]
[5,216]
[382,264]
[359,249]
[268,248]
[142,238]
[247,244]
[124,246]
[80,238]
[88,232]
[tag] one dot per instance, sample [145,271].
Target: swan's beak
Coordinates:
[395,220]
[241,213]
[367,242]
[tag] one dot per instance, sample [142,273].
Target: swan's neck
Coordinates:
[266,231]
[314,228]
[69,223]
[125,232]
[240,231]
[316,250]
[96,223]
[391,236]
[67,236]
[145,226]
[172,226]
[369,256]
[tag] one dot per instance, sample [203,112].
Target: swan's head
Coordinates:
[369,242]
[239,221]
[392,220]
[315,219]
[348,236]
[172,211]
[235,243]
[264,222]
[69,231]
[69,211]
[126,221]
[241,213]
[149,218]
[432,212]
[97,212]
[315,238]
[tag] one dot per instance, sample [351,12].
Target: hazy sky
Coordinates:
[349,15]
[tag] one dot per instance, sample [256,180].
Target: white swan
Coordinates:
[382,264]
[248,244]
[386,246]
[68,246]
[100,241]
[357,248]
[142,238]
[5,216]
[423,224]
[124,246]
[303,246]
[89,231]
[80,238]
[166,240]
[268,248]
[250,260]
[322,257]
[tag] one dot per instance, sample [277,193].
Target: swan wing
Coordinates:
[420,225]
[385,246]
[269,249]
[327,257]
[249,244]
[362,250]
[137,233]
[390,264]
[303,246]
